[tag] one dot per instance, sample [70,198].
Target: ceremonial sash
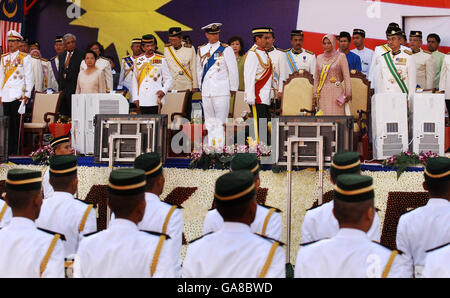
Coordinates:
[145,70]
[211,62]
[323,76]
[393,70]
[55,69]
[128,61]
[10,71]
[180,65]
[291,62]
[261,82]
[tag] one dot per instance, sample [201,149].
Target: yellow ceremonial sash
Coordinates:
[9,71]
[180,65]
[146,68]
[323,76]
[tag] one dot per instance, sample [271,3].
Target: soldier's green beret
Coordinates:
[23,180]
[175,31]
[59,140]
[127,181]
[63,165]
[354,188]
[245,161]
[437,169]
[150,163]
[148,38]
[235,187]
[344,163]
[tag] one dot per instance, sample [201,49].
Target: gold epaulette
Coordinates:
[253,49]
[223,44]
[167,45]
[287,50]
[408,52]
[426,51]
[309,52]
[44,59]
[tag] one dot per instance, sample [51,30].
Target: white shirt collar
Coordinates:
[22,222]
[438,202]
[63,195]
[151,196]
[122,223]
[235,227]
[351,233]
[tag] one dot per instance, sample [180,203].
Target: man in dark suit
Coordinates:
[69,67]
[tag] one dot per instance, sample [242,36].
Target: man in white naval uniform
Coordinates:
[218,79]
[16,85]
[25,251]
[151,78]
[350,253]
[123,250]
[427,227]
[437,262]
[267,219]
[319,222]
[298,58]
[101,63]
[279,66]
[38,72]
[425,65]
[234,251]
[366,54]
[127,65]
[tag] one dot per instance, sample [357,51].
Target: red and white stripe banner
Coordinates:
[5,26]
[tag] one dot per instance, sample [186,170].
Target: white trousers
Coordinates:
[216,113]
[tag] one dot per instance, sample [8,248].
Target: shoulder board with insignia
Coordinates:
[178,206]
[426,51]
[87,203]
[52,233]
[408,52]
[436,248]
[5,54]
[90,234]
[187,46]
[53,58]
[192,241]
[281,50]
[44,59]
[224,44]
[309,52]
[155,233]
[167,45]
[270,207]
[253,48]
[308,243]
[270,239]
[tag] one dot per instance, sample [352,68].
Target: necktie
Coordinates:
[67,60]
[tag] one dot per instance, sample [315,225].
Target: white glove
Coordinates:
[21,109]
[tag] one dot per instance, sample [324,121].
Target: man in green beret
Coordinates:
[62,212]
[123,250]
[26,251]
[234,251]
[427,227]
[350,253]
[267,220]
[319,222]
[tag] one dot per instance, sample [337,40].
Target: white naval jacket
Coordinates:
[349,254]
[21,82]
[232,252]
[157,79]
[253,71]
[63,214]
[104,65]
[305,60]
[422,229]
[444,83]
[271,220]
[320,223]
[122,251]
[5,214]
[425,69]
[280,73]
[22,250]
[126,74]
[437,263]
[223,76]
[187,56]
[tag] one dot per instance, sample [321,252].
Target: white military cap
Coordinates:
[14,35]
[212,28]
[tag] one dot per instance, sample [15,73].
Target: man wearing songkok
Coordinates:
[425,65]
[366,54]
[350,254]
[218,79]
[54,61]
[234,251]
[267,219]
[123,250]
[127,66]
[298,58]
[319,222]
[437,262]
[151,78]
[427,227]
[60,146]
[25,250]
[63,213]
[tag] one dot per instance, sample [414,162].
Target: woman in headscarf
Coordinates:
[331,71]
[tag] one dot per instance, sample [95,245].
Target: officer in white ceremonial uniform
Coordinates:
[63,213]
[151,78]
[181,60]
[319,222]
[425,65]
[123,250]
[234,251]
[267,219]
[5,213]
[397,68]
[437,262]
[350,253]
[16,83]
[25,251]
[38,72]
[280,73]
[127,66]
[366,54]
[218,79]
[298,58]
[427,227]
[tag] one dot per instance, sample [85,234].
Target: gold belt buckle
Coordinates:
[333,80]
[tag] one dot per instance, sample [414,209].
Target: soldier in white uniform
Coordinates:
[151,78]
[101,63]
[319,222]
[366,54]
[181,60]
[427,227]
[397,68]
[16,83]
[38,73]
[127,66]
[25,251]
[425,65]
[5,213]
[234,251]
[123,250]
[218,79]
[437,262]
[267,219]
[350,254]
[280,73]
[298,58]
[63,213]
[444,82]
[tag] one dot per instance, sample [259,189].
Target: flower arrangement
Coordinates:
[61,127]
[42,155]
[63,119]
[407,159]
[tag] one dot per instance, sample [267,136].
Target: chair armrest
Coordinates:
[312,112]
[46,115]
